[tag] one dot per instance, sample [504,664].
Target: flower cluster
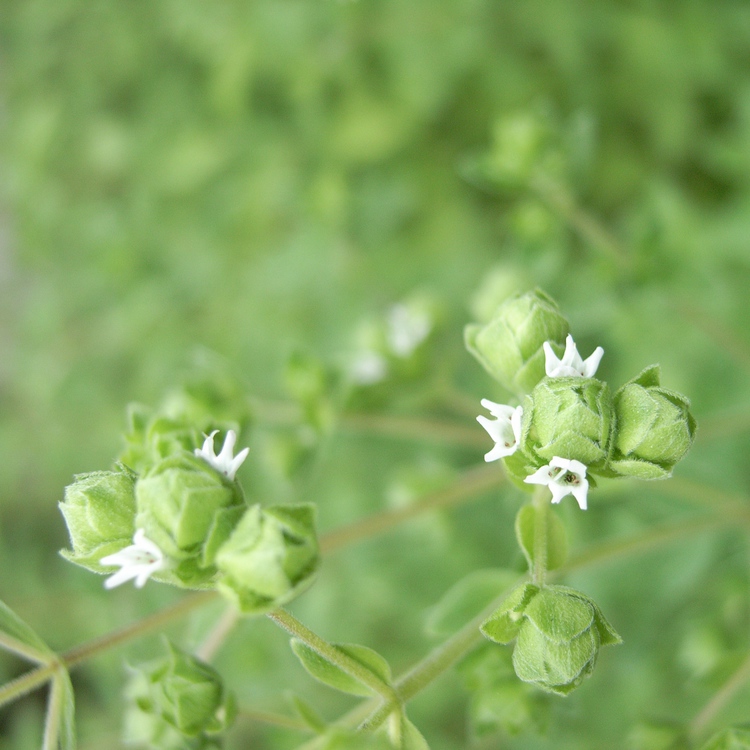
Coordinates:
[181,518]
[569,426]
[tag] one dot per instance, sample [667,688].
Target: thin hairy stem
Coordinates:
[458,645]
[726,692]
[469,484]
[588,227]
[284,414]
[333,655]
[218,634]
[274,719]
[137,629]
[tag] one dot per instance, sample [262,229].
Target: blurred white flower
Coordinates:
[571,363]
[140,560]
[225,463]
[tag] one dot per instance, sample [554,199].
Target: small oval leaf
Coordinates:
[333,676]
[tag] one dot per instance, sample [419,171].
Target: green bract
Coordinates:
[178,702]
[99,510]
[558,633]
[270,558]
[510,345]
[568,417]
[655,428]
[188,510]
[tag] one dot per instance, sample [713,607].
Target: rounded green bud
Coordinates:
[177,702]
[188,509]
[655,428]
[509,346]
[99,510]
[270,558]
[558,633]
[571,418]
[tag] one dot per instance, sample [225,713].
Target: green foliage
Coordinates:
[177,702]
[332,675]
[256,179]
[270,558]
[555,548]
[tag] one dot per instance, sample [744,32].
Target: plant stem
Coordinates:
[333,655]
[458,645]
[137,628]
[54,715]
[218,634]
[37,677]
[704,717]
[589,228]
[541,511]
[474,481]
[277,720]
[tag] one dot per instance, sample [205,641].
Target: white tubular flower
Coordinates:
[140,561]
[563,477]
[505,430]
[225,463]
[571,363]
[407,329]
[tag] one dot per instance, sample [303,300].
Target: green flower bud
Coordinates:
[655,428]
[568,417]
[558,634]
[177,702]
[188,509]
[270,558]
[99,510]
[152,437]
[509,347]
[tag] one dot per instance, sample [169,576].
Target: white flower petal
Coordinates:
[224,463]
[140,560]
[564,477]
[505,430]
[571,364]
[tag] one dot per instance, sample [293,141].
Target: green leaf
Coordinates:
[308,714]
[404,735]
[465,599]
[503,624]
[333,676]
[556,539]
[18,637]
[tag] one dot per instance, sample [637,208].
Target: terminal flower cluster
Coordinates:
[563,476]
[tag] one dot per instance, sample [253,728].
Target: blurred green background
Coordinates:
[251,179]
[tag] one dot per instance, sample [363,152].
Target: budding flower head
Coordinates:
[571,363]
[225,462]
[139,561]
[563,477]
[505,429]
[99,510]
[510,345]
[188,509]
[177,701]
[655,427]
[558,633]
[270,558]
[570,418]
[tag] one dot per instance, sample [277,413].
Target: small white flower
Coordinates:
[140,560]
[407,329]
[224,463]
[571,363]
[505,430]
[563,477]
[368,368]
